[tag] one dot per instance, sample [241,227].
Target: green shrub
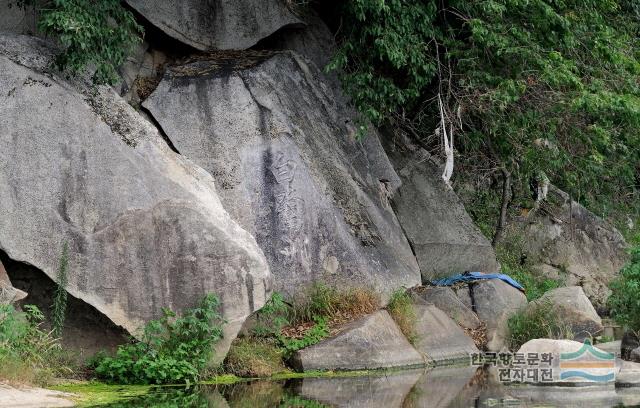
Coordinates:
[254,357]
[59,307]
[624,302]
[172,350]
[314,335]
[29,354]
[400,307]
[539,322]
[98,33]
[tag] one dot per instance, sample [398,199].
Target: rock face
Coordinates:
[217,24]
[574,310]
[281,146]
[568,237]
[629,375]
[442,235]
[445,299]
[439,338]
[374,341]
[495,301]
[630,342]
[17,20]
[144,226]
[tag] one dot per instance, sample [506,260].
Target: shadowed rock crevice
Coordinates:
[85,330]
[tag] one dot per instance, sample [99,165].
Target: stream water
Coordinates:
[435,388]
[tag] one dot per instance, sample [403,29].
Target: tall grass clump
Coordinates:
[401,309]
[539,322]
[624,302]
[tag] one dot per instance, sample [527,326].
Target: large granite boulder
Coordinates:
[282,146]
[443,236]
[495,301]
[373,341]
[217,24]
[144,226]
[445,299]
[565,240]
[439,338]
[573,309]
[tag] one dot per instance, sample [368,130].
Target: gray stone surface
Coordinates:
[14,19]
[611,347]
[573,310]
[445,299]
[28,397]
[443,236]
[217,24]
[439,338]
[629,343]
[282,148]
[390,390]
[373,341]
[568,241]
[495,302]
[635,355]
[145,226]
[629,374]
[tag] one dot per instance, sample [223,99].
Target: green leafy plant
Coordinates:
[401,308]
[59,307]
[273,316]
[96,33]
[314,335]
[537,322]
[624,302]
[173,349]
[29,354]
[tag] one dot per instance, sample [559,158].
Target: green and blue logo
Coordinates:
[588,363]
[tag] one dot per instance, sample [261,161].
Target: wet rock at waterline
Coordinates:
[373,341]
[573,309]
[144,226]
[445,299]
[282,147]
[439,339]
[495,301]
[217,24]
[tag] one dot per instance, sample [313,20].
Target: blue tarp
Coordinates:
[472,276]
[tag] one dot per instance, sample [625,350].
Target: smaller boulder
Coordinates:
[8,294]
[629,375]
[635,355]
[439,338]
[495,302]
[445,299]
[373,341]
[575,310]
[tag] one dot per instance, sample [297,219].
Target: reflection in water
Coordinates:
[438,388]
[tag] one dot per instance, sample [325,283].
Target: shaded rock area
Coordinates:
[373,341]
[86,330]
[217,24]
[635,355]
[573,309]
[8,293]
[282,147]
[445,299]
[495,301]
[439,338]
[391,390]
[629,344]
[17,20]
[144,226]
[567,241]
[442,235]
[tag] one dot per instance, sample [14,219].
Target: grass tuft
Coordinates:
[401,309]
[538,322]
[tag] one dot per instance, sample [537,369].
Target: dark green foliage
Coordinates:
[173,349]
[538,322]
[29,354]
[317,332]
[59,307]
[97,33]
[542,87]
[624,302]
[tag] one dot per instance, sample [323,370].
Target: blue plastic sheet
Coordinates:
[473,276]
